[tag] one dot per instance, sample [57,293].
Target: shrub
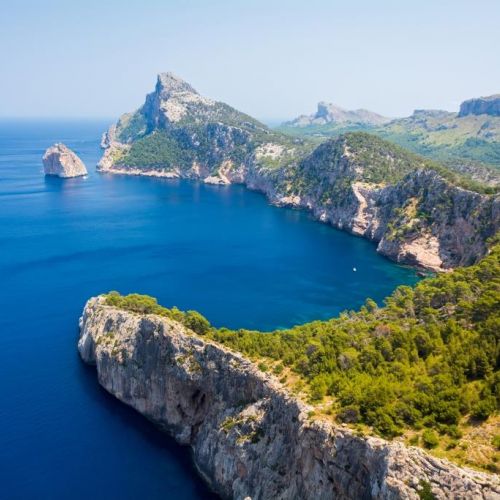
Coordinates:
[484,408]
[430,439]
[196,322]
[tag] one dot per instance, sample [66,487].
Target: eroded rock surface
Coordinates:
[481,106]
[60,161]
[251,438]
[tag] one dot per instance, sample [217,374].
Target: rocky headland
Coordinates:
[418,212]
[61,161]
[250,438]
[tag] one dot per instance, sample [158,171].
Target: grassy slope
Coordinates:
[475,139]
[425,365]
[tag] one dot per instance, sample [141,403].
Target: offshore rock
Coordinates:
[60,161]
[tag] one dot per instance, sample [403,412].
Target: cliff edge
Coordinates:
[249,436]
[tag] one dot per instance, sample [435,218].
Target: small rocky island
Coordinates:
[60,161]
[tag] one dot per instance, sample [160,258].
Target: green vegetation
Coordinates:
[322,131]
[158,149]
[425,491]
[144,304]
[441,136]
[378,162]
[430,439]
[425,360]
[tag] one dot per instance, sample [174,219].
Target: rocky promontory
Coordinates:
[60,161]
[481,106]
[249,436]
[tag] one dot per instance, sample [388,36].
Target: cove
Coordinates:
[221,250]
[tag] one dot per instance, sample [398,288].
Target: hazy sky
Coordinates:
[271,59]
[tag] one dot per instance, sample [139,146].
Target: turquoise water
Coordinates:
[220,250]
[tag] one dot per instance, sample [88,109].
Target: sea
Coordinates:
[220,250]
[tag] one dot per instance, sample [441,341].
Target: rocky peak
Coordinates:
[481,106]
[60,161]
[172,100]
[168,84]
[330,113]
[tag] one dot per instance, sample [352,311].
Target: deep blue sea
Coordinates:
[220,250]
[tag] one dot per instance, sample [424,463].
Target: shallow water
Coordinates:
[220,250]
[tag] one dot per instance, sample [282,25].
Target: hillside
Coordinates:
[180,131]
[443,135]
[469,139]
[419,212]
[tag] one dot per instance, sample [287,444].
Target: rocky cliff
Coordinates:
[249,437]
[356,182]
[481,106]
[60,161]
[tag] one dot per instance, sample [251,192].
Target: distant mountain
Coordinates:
[468,141]
[328,113]
[481,106]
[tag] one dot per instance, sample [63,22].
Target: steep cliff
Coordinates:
[415,210]
[60,161]
[249,436]
[481,106]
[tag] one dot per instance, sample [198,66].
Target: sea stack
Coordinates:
[60,161]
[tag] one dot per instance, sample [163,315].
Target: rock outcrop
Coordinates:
[249,436]
[328,113]
[60,161]
[356,182]
[481,106]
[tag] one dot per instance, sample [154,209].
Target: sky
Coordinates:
[271,59]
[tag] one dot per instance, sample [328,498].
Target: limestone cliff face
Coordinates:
[421,219]
[249,437]
[60,161]
[357,182]
[481,106]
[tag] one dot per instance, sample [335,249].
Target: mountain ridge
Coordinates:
[178,133]
[330,113]
[470,136]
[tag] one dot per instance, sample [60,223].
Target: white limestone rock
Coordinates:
[60,161]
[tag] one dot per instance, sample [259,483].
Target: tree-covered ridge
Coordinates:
[328,173]
[424,362]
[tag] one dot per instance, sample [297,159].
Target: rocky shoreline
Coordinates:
[454,240]
[358,182]
[249,436]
